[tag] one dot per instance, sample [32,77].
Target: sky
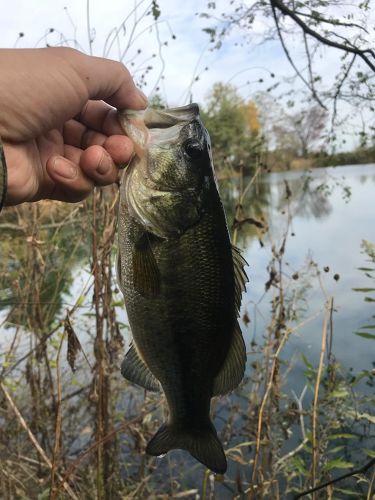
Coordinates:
[184,58]
[178,48]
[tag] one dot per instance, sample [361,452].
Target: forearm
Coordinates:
[3,176]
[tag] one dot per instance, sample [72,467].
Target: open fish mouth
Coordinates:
[164,118]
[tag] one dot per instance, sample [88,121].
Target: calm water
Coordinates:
[330,211]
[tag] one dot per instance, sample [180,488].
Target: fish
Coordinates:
[181,278]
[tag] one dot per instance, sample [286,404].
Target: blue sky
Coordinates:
[180,61]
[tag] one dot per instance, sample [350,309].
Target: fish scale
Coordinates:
[176,269]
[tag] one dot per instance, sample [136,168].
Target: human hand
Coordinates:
[59,139]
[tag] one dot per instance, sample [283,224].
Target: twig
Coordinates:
[353,50]
[327,321]
[107,437]
[264,400]
[34,441]
[241,199]
[56,448]
[361,470]
[286,51]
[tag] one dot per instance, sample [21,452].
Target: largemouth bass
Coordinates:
[181,278]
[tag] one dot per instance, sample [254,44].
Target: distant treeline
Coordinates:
[358,156]
[278,160]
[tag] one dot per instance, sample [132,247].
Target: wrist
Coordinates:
[3,176]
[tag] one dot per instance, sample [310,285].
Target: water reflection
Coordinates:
[39,252]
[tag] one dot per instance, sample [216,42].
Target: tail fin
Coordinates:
[204,445]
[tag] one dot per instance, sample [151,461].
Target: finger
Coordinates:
[119,147]
[95,163]
[77,135]
[106,79]
[98,166]
[73,154]
[99,116]
[71,184]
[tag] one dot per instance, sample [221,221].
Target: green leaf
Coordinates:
[368,326]
[80,301]
[366,269]
[341,435]
[370,453]
[336,449]
[366,335]
[337,463]
[349,492]
[369,299]
[299,464]
[307,362]
[341,392]
[363,290]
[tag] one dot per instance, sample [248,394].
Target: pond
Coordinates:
[332,212]
[301,233]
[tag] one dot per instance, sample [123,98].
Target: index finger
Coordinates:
[106,79]
[98,115]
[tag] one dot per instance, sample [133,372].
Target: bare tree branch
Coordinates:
[312,89]
[277,4]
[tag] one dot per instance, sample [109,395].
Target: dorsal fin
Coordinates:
[233,369]
[240,276]
[134,369]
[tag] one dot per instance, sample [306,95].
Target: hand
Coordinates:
[59,139]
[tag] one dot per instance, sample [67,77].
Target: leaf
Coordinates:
[299,464]
[366,269]
[366,335]
[339,393]
[80,301]
[370,453]
[307,362]
[74,345]
[155,9]
[369,299]
[337,463]
[368,326]
[349,492]
[336,449]
[363,290]
[341,435]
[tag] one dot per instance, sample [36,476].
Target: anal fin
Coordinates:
[134,369]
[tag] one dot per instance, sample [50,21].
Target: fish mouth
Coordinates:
[163,118]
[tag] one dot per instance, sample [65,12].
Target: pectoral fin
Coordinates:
[233,368]
[146,274]
[134,369]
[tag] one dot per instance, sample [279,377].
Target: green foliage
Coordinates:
[368,249]
[156,101]
[234,131]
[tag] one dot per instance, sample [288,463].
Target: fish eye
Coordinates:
[193,149]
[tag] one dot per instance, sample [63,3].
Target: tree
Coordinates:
[308,126]
[233,126]
[295,133]
[341,29]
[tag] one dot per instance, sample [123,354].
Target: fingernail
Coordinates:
[104,164]
[64,169]
[142,96]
